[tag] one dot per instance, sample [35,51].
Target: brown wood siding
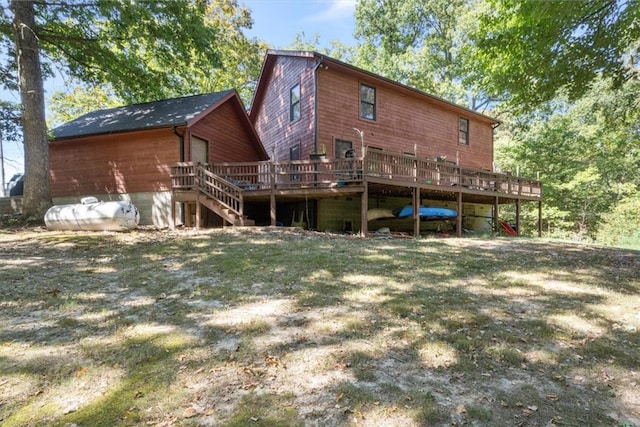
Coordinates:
[402,120]
[272,123]
[113,164]
[229,138]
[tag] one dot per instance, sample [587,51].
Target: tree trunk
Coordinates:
[37,194]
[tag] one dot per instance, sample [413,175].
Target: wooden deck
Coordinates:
[377,173]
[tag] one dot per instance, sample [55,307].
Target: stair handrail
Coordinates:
[224,192]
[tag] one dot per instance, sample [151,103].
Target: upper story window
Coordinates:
[463,131]
[294,103]
[367,102]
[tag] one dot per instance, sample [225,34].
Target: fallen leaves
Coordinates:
[190,412]
[297,362]
[81,372]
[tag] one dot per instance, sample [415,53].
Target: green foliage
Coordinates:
[587,154]
[415,42]
[141,50]
[137,47]
[9,120]
[240,57]
[79,100]
[337,49]
[528,51]
[146,50]
[621,225]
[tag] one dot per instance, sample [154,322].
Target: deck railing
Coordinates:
[291,174]
[378,165]
[227,194]
[198,177]
[407,168]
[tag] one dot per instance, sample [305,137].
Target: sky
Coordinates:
[277,22]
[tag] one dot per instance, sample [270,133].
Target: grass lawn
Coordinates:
[264,327]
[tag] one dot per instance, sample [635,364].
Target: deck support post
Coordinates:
[459,216]
[416,212]
[540,218]
[364,208]
[198,206]
[272,209]
[518,216]
[272,196]
[198,210]
[496,215]
[172,220]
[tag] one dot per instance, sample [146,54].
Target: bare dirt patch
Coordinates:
[259,326]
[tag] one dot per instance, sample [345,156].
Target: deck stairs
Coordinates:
[196,183]
[221,196]
[226,213]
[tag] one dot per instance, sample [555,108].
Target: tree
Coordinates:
[587,153]
[138,48]
[240,63]
[9,131]
[528,52]
[78,100]
[621,225]
[37,197]
[421,44]
[336,49]
[240,58]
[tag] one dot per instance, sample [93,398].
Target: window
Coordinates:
[294,103]
[463,131]
[367,102]
[342,147]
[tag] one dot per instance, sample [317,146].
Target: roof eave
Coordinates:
[90,135]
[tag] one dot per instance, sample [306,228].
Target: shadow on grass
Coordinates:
[426,331]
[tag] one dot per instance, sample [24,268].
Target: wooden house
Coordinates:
[126,153]
[348,147]
[326,146]
[309,103]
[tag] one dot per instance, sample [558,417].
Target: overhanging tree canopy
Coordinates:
[528,51]
[138,47]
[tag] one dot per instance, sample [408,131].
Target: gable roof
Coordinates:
[321,59]
[149,115]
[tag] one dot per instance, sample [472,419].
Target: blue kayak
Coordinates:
[426,212]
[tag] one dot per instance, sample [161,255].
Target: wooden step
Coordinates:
[225,213]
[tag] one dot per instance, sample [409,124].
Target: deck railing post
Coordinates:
[519,187]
